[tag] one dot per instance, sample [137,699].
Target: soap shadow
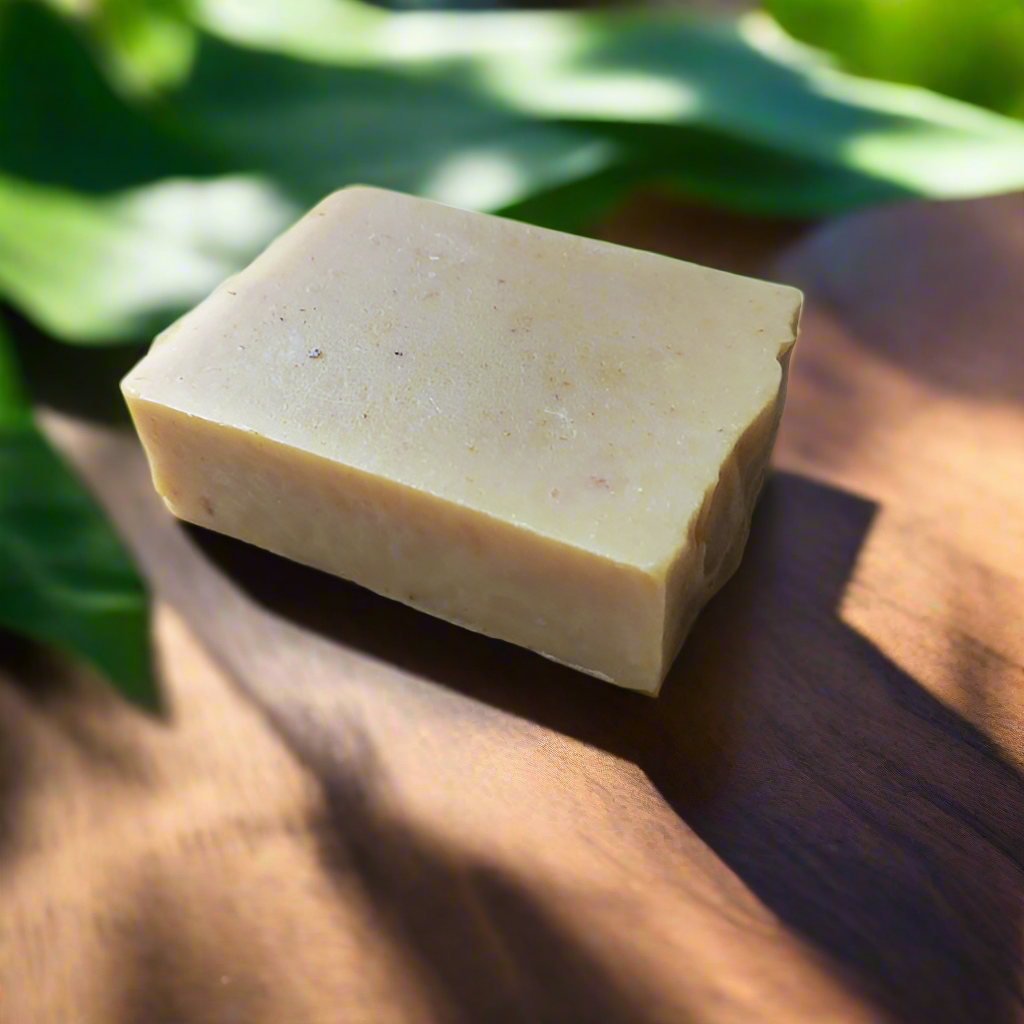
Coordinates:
[874,821]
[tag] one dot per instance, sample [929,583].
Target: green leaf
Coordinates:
[314,128]
[65,579]
[115,268]
[745,83]
[148,44]
[15,410]
[969,49]
[61,122]
[579,205]
[144,44]
[703,166]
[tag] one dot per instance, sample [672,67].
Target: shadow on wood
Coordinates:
[19,764]
[871,819]
[478,943]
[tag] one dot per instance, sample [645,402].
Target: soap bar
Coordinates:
[548,439]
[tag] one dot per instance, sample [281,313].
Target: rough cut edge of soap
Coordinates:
[718,532]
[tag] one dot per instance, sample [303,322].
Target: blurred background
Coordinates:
[149,148]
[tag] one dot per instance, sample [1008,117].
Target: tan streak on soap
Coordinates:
[545,438]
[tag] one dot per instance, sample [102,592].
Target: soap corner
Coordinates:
[352,192]
[798,299]
[792,310]
[129,389]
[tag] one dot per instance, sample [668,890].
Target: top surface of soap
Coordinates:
[583,390]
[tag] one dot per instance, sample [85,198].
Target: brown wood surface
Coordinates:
[355,813]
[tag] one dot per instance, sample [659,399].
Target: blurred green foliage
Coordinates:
[150,148]
[65,580]
[972,50]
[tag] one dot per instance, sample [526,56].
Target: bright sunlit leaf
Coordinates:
[745,82]
[100,269]
[317,127]
[972,50]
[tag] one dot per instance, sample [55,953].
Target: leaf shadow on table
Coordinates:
[169,972]
[49,703]
[31,716]
[479,943]
[18,766]
[466,941]
[875,822]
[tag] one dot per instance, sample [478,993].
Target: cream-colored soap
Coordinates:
[545,438]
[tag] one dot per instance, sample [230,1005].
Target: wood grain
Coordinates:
[353,812]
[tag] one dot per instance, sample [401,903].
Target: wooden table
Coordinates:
[355,813]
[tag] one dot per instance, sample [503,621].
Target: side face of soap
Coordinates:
[548,439]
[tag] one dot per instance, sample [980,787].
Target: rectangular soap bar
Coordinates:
[545,438]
